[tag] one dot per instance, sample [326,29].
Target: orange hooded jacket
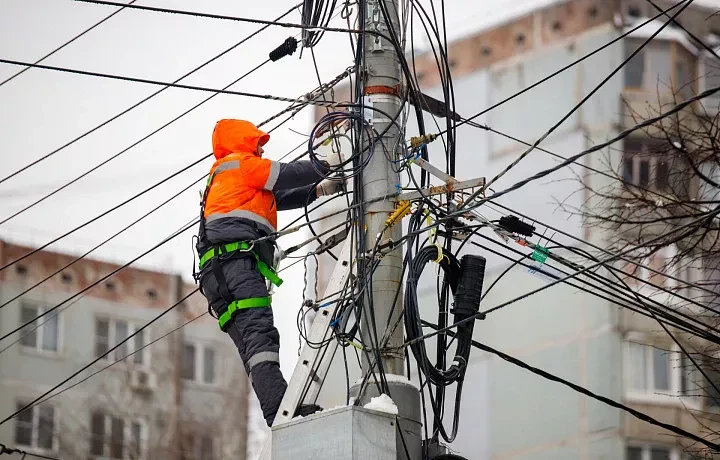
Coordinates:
[241,181]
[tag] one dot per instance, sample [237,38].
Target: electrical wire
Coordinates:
[635,413]
[585,98]
[168,84]
[97,359]
[233,18]
[134,144]
[9,451]
[648,122]
[91,285]
[142,101]
[572,64]
[553,283]
[104,242]
[55,240]
[89,29]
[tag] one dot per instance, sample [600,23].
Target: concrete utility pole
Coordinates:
[354,432]
[382,90]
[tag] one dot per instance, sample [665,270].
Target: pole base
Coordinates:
[345,433]
[406,397]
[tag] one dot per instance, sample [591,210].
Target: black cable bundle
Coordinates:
[465,279]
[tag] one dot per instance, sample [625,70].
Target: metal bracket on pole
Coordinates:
[440,189]
[313,363]
[451,184]
[448,179]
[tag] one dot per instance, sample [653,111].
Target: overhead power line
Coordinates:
[595,148]
[233,18]
[12,77]
[102,279]
[110,350]
[551,284]
[104,242]
[111,209]
[546,375]
[137,195]
[566,67]
[134,106]
[9,451]
[172,85]
[108,160]
[584,99]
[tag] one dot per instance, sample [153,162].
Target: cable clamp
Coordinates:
[417,142]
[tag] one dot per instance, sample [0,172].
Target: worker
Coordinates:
[240,203]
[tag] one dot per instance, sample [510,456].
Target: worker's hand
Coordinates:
[330,187]
[335,159]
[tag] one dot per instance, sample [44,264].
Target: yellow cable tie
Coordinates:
[440,253]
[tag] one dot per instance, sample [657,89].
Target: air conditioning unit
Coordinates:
[143,380]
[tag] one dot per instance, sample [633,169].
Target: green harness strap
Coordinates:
[254,302]
[262,267]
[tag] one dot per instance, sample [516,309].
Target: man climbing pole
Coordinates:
[240,203]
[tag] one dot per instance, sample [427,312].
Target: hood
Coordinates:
[237,136]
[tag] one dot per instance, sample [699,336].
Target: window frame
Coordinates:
[132,327]
[199,363]
[637,157]
[127,428]
[676,374]
[35,429]
[646,447]
[40,308]
[677,53]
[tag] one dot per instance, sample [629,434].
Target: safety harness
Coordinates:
[211,259]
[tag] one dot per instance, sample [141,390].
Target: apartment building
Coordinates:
[180,396]
[507,412]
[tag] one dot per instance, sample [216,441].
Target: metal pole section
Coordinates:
[382,83]
[381,91]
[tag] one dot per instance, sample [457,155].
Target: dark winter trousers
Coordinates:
[252,330]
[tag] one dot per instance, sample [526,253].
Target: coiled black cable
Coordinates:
[465,280]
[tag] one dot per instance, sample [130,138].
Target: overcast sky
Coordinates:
[42,110]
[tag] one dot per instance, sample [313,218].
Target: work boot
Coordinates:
[307,409]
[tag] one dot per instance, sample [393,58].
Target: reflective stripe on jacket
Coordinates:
[242,181]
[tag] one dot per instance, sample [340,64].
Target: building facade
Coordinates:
[181,396]
[507,412]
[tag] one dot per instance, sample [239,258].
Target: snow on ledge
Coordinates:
[382,403]
[668,33]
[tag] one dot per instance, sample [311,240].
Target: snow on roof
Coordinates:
[668,33]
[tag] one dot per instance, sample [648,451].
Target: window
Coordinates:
[35,427]
[198,447]
[655,372]
[116,437]
[655,452]
[645,164]
[660,260]
[43,334]
[655,67]
[634,69]
[198,363]
[110,332]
